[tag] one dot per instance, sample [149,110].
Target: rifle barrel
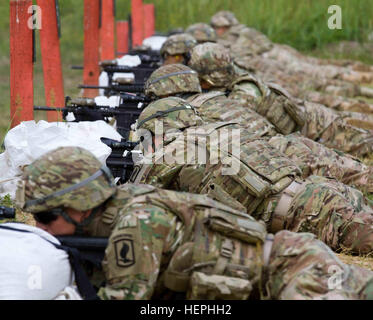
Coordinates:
[44,108]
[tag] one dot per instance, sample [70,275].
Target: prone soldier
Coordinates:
[261,180]
[164,244]
[312,157]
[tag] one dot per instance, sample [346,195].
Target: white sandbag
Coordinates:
[30,140]
[154,42]
[128,61]
[112,102]
[104,79]
[31,268]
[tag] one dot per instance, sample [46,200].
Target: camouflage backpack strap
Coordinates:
[192,269]
[199,99]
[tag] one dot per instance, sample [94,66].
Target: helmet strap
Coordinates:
[80,225]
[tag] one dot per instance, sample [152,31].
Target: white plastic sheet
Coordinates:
[31,268]
[155,42]
[30,140]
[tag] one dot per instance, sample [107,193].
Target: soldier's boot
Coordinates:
[335,213]
[302,267]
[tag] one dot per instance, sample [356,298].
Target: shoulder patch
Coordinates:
[124,253]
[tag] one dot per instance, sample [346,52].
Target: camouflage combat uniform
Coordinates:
[287,114]
[265,182]
[247,42]
[163,243]
[336,94]
[178,45]
[180,80]
[310,156]
[202,32]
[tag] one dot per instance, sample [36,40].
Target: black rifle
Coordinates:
[91,249]
[126,113]
[120,161]
[7,213]
[115,89]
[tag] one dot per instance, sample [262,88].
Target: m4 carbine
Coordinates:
[120,161]
[126,113]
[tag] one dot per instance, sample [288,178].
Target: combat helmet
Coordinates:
[178,44]
[213,63]
[67,177]
[173,112]
[172,79]
[223,19]
[202,32]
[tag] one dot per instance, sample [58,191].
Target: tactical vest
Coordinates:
[212,109]
[262,170]
[275,104]
[220,253]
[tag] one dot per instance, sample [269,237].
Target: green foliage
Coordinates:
[6,201]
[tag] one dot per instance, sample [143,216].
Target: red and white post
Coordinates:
[51,58]
[21,62]
[107,31]
[137,22]
[149,20]
[122,38]
[91,71]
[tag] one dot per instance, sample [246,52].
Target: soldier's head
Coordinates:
[170,80]
[214,65]
[63,189]
[222,21]
[202,32]
[165,116]
[176,48]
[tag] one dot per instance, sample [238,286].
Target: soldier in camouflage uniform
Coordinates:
[336,94]
[164,243]
[247,46]
[313,158]
[317,122]
[260,179]
[202,32]
[182,81]
[246,42]
[176,48]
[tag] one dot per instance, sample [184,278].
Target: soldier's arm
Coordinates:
[134,254]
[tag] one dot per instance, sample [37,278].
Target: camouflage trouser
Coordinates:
[330,129]
[294,63]
[339,103]
[303,268]
[315,159]
[337,214]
